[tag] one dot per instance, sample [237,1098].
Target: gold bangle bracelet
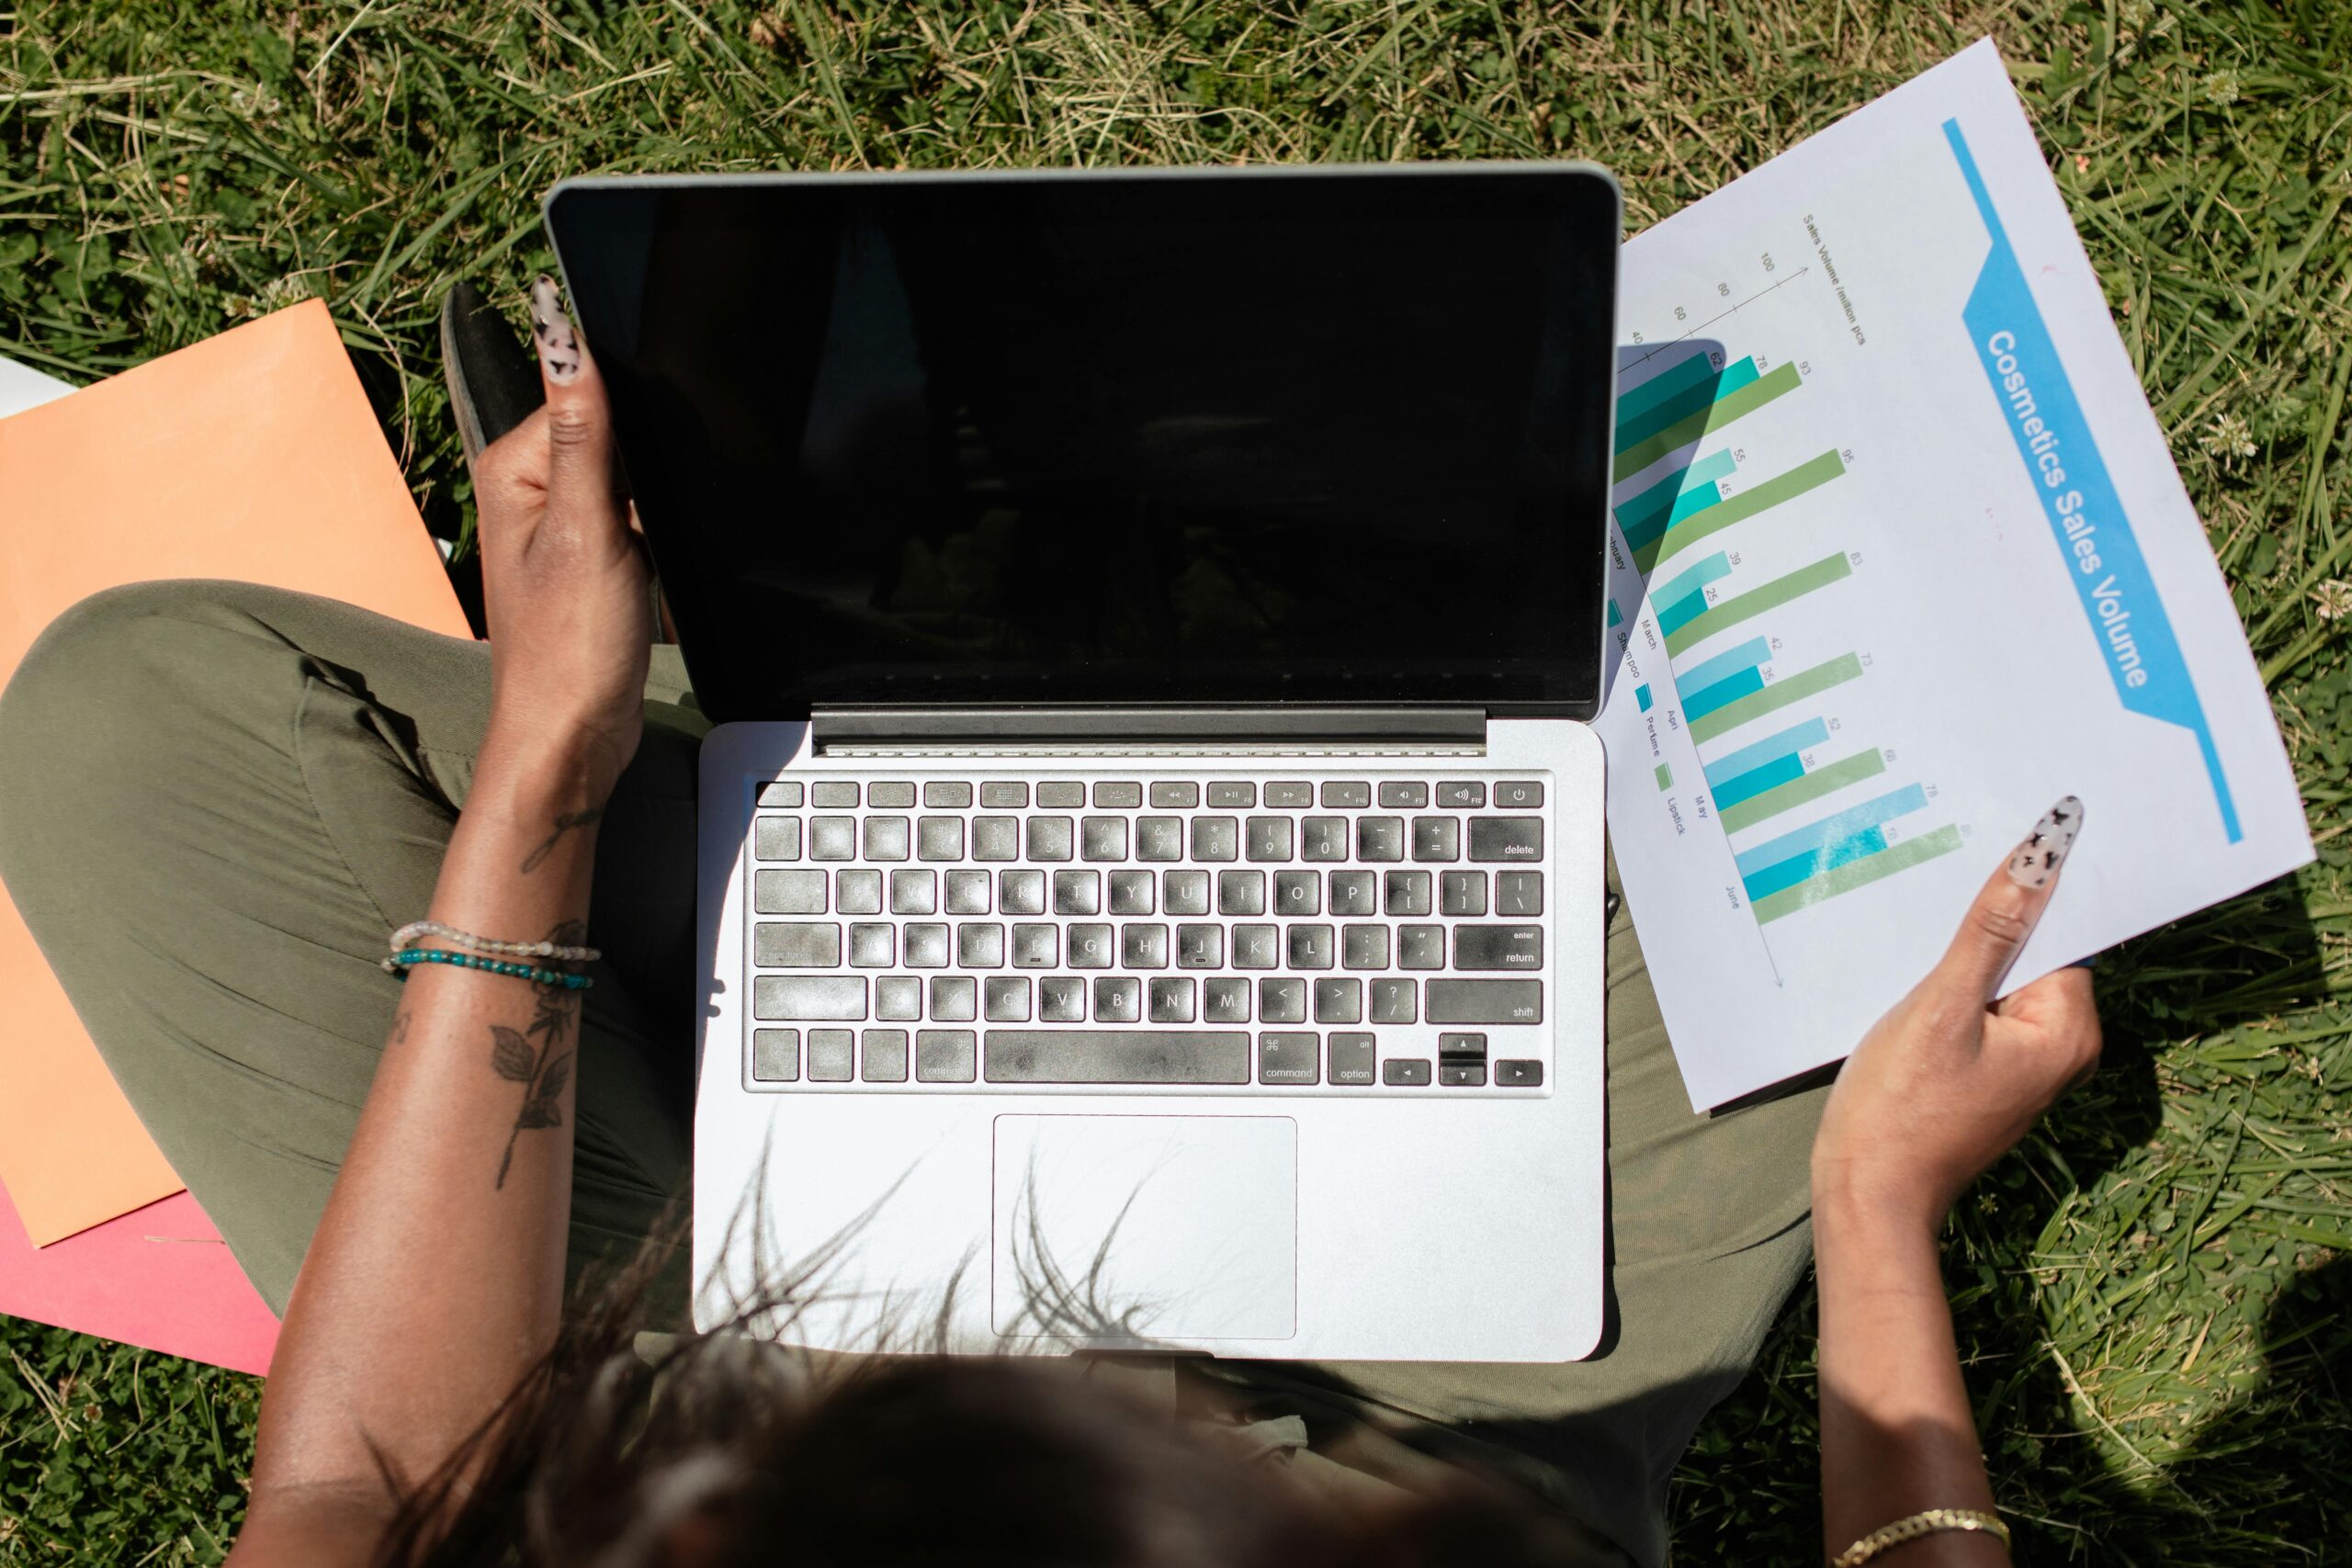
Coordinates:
[1928,1521]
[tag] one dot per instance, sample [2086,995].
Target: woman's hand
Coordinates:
[564,579]
[1949,1080]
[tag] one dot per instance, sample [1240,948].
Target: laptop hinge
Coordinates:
[1150,731]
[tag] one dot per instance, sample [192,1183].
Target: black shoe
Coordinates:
[494,382]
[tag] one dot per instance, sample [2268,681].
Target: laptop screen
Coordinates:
[1197,437]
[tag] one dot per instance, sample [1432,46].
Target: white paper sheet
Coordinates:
[1917,564]
[22,387]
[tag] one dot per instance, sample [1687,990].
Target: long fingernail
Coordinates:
[551,328]
[2038,859]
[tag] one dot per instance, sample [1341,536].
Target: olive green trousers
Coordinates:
[218,799]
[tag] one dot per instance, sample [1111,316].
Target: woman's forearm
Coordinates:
[435,1279]
[1897,1434]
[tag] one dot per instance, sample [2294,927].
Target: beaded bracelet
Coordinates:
[401,962]
[408,934]
[1928,1521]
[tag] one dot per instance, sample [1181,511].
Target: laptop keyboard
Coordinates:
[1384,933]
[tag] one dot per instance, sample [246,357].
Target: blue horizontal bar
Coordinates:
[1755,651]
[1674,378]
[1714,566]
[1895,803]
[1680,404]
[1812,862]
[1789,742]
[1730,689]
[1755,780]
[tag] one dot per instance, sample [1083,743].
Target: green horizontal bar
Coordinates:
[1755,601]
[1858,873]
[1739,506]
[1714,416]
[1778,694]
[1796,792]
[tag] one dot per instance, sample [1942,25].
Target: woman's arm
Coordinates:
[435,1279]
[1938,1091]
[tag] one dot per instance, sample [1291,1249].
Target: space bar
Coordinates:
[1116,1056]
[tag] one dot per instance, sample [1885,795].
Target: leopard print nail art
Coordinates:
[2037,860]
[551,328]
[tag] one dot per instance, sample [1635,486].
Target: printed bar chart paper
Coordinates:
[1903,558]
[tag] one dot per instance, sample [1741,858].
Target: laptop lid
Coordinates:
[1319,435]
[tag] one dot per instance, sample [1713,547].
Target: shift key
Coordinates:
[1480,1001]
[1495,947]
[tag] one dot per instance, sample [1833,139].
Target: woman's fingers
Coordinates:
[2007,906]
[581,496]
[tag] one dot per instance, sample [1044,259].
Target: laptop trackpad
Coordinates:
[1146,1227]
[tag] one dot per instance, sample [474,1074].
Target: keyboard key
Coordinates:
[1021,892]
[890,795]
[1380,839]
[1282,999]
[833,795]
[775,1052]
[914,892]
[1078,893]
[832,838]
[1420,947]
[947,795]
[1049,837]
[955,999]
[882,1056]
[1185,893]
[783,792]
[1036,945]
[1403,795]
[1404,1074]
[1241,892]
[1004,794]
[1159,838]
[830,1055]
[1517,795]
[1232,795]
[857,892]
[1462,795]
[944,1056]
[873,944]
[1200,947]
[1462,1075]
[980,944]
[1485,1001]
[1519,893]
[1091,947]
[1519,1074]
[1284,1058]
[897,998]
[1174,795]
[788,892]
[1104,838]
[1311,946]
[1289,793]
[1254,947]
[809,996]
[1462,1047]
[1323,839]
[776,837]
[886,838]
[1174,998]
[1346,794]
[996,838]
[939,838]
[1004,998]
[1506,837]
[1299,893]
[1062,795]
[1117,796]
[1407,892]
[1355,892]
[1061,998]
[1270,839]
[1462,893]
[1338,1000]
[1499,947]
[1224,998]
[926,944]
[967,892]
[1216,839]
[1396,1001]
[1118,998]
[1143,946]
[1437,838]
[1363,947]
[1102,1055]
[1131,892]
[1351,1058]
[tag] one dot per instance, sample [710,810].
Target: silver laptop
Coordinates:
[1151,850]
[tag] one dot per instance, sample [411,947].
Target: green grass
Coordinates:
[2150,1294]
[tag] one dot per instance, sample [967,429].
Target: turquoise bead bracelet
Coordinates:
[400,963]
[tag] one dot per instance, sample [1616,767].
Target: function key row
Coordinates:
[1165,795]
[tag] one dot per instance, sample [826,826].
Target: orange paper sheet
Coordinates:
[254,455]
